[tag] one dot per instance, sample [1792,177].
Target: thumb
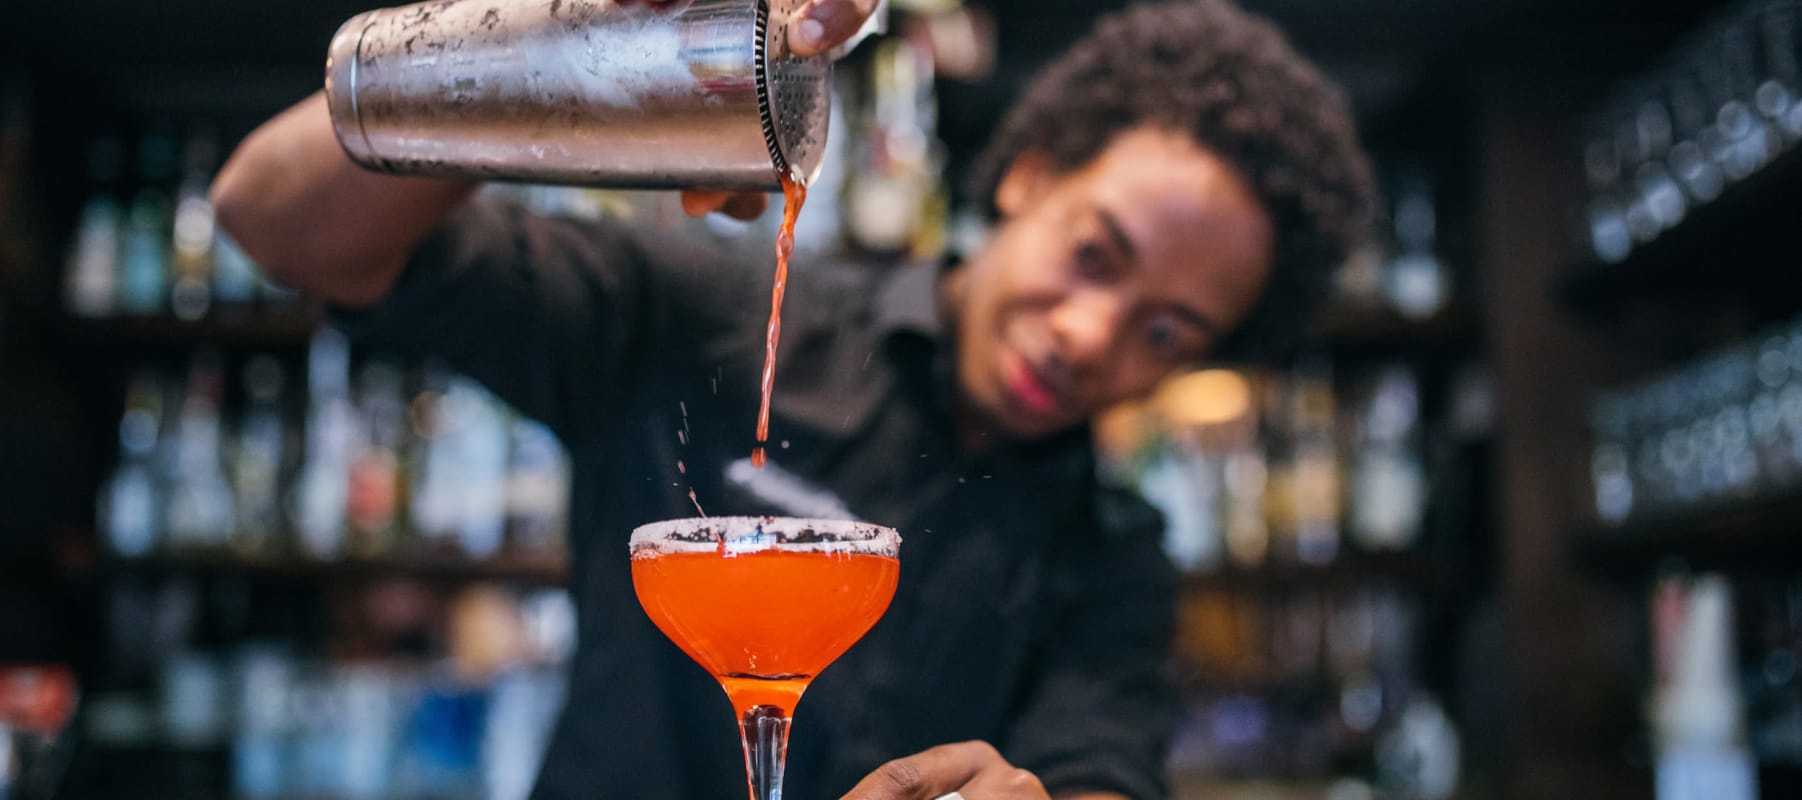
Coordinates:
[824,24]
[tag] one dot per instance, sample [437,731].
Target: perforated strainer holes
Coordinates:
[798,92]
[791,94]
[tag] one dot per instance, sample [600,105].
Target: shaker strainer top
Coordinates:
[701,93]
[793,94]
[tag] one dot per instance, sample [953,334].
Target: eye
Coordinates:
[1089,258]
[1092,260]
[1170,336]
[1161,332]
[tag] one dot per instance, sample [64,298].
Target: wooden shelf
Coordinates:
[250,329]
[1775,781]
[1742,247]
[1779,780]
[535,572]
[1753,536]
[151,771]
[1378,331]
[1348,570]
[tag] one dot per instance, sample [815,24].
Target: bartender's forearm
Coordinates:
[317,222]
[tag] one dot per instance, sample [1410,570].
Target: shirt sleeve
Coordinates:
[1100,708]
[555,316]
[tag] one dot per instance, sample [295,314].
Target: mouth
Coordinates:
[1027,389]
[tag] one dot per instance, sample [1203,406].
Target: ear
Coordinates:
[1025,180]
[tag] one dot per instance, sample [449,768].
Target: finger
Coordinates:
[700,204]
[929,774]
[746,206]
[825,24]
[1007,782]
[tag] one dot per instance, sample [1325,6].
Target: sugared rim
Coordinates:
[734,535]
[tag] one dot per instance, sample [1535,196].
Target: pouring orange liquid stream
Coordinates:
[794,194]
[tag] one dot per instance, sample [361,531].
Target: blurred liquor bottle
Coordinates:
[145,257]
[1315,478]
[258,458]
[1417,281]
[1697,709]
[91,282]
[1388,479]
[1776,714]
[459,463]
[1400,268]
[320,492]
[374,508]
[894,201]
[480,443]
[537,490]
[191,293]
[201,507]
[131,506]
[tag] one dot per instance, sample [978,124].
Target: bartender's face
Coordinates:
[1102,280]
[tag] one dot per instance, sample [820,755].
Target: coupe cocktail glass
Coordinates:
[764,603]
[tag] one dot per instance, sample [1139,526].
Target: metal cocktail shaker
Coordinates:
[589,92]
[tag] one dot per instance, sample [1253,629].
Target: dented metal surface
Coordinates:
[584,92]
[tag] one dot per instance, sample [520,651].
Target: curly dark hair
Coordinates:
[1233,82]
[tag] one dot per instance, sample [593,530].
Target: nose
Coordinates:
[1084,327]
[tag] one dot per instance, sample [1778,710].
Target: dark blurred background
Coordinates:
[1518,522]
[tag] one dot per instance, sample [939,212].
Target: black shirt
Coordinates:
[1021,618]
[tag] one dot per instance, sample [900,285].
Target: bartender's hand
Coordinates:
[824,24]
[974,770]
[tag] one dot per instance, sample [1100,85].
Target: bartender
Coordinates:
[1172,188]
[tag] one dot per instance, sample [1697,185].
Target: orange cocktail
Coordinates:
[765,623]
[764,603]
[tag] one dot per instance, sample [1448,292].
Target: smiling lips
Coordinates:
[1032,393]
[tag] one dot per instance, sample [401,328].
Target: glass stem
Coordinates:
[764,732]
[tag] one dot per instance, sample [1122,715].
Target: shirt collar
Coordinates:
[907,302]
